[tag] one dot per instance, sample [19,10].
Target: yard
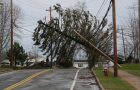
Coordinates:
[110,82]
[5,68]
[131,68]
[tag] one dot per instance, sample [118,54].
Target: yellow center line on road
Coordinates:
[25,80]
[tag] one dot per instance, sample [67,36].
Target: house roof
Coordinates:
[34,55]
[80,60]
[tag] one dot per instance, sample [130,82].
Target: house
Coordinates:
[33,58]
[106,63]
[80,63]
[103,62]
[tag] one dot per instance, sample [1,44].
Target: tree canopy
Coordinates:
[19,55]
[59,33]
[5,24]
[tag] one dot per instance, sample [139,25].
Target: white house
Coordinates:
[80,63]
[104,64]
[34,58]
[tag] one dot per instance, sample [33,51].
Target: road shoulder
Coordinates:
[100,85]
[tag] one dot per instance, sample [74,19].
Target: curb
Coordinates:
[101,87]
[5,70]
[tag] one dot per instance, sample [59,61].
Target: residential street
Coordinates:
[58,79]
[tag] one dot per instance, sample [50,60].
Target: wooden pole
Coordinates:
[114,38]
[123,44]
[11,55]
[95,47]
[139,42]
[51,36]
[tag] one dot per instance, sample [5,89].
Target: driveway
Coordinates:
[58,79]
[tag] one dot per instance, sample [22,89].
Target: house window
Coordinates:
[80,65]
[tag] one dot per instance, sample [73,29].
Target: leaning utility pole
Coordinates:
[11,55]
[114,38]
[95,47]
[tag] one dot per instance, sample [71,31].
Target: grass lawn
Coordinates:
[5,68]
[131,68]
[110,82]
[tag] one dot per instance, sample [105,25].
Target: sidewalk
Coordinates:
[130,78]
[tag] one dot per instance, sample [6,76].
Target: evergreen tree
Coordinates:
[19,55]
[65,41]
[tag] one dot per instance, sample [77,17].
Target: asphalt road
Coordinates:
[58,79]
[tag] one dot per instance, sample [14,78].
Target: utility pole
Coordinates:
[114,38]
[11,55]
[139,39]
[35,54]
[51,33]
[123,44]
[95,47]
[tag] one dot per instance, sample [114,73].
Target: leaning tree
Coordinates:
[59,33]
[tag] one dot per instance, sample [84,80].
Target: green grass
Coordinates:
[110,82]
[130,68]
[5,68]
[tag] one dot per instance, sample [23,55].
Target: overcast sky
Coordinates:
[35,10]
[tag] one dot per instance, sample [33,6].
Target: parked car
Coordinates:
[5,63]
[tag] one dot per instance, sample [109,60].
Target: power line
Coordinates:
[90,1]
[30,25]
[27,21]
[36,4]
[31,6]
[27,36]
[25,29]
[30,18]
[39,3]
[100,8]
[122,16]
[110,4]
[117,16]
[35,17]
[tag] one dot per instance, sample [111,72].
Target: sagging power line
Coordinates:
[110,4]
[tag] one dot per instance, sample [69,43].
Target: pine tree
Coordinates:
[19,55]
[66,42]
